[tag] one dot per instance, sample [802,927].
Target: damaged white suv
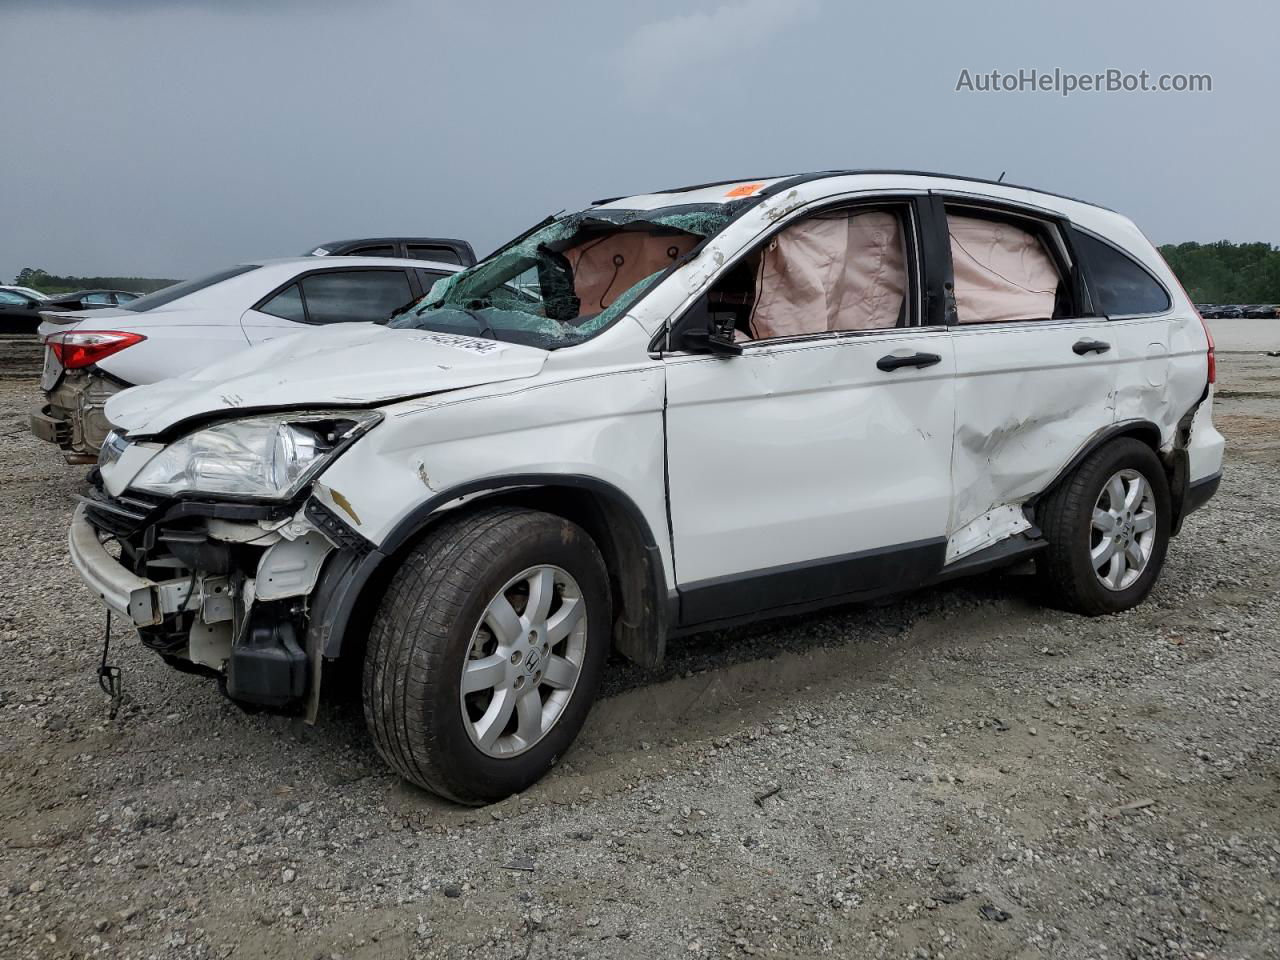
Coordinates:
[660,414]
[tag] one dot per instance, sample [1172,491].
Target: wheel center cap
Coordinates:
[532,660]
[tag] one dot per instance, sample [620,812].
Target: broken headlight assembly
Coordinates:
[268,457]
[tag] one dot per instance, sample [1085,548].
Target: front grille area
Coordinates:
[119,516]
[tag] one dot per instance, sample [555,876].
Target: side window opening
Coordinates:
[355,296]
[378,250]
[438,254]
[836,271]
[287,305]
[1121,286]
[1004,269]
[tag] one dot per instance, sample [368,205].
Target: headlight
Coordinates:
[271,457]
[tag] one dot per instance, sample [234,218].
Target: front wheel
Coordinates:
[486,652]
[1108,530]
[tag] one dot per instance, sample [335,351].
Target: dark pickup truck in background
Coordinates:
[439,249]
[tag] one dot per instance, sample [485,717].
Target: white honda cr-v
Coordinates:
[660,414]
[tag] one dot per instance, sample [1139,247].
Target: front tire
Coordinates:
[1108,530]
[486,652]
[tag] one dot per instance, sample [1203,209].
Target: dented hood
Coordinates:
[356,364]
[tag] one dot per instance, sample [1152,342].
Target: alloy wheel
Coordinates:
[1123,531]
[524,660]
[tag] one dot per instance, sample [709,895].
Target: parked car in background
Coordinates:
[658,415]
[90,357]
[25,291]
[19,312]
[1229,312]
[435,249]
[90,299]
[1260,311]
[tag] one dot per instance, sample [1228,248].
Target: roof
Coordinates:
[710,192]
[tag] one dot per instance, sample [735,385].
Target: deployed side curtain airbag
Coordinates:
[606,267]
[838,271]
[1001,272]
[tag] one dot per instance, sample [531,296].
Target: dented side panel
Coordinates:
[802,451]
[1025,403]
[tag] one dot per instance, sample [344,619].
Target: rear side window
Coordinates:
[99,299]
[1003,271]
[187,287]
[438,254]
[1121,286]
[356,295]
[287,305]
[379,250]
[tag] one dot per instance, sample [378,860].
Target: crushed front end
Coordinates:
[219,586]
[213,588]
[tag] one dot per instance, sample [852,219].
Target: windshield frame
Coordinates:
[622,217]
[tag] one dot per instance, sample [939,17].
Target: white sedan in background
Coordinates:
[91,356]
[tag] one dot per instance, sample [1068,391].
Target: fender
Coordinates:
[641,635]
[1143,429]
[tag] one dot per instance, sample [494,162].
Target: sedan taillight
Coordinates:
[79,349]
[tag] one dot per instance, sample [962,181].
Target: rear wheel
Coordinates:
[486,652]
[1108,530]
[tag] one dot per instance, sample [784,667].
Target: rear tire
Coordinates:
[1107,525]
[490,611]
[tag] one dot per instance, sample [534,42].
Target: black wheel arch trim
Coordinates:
[419,516]
[344,580]
[1127,428]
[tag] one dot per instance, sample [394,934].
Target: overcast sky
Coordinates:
[171,137]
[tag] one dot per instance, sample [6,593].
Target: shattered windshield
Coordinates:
[568,280]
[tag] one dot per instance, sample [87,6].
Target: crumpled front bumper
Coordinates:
[143,601]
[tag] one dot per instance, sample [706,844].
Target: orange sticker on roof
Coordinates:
[744,190]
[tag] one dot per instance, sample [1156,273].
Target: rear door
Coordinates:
[321,297]
[1035,367]
[1160,369]
[816,464]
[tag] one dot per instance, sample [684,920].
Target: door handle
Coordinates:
[893,361]
[1082,347]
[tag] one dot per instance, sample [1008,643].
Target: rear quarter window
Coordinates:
[1121,286]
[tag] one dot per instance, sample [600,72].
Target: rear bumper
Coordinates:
[75,417]
[1199,492]
[49,428]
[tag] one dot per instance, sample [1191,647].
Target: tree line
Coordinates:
[45,282]
[1221,272]
[1225,272]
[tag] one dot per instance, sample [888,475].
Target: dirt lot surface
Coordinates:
[961,773]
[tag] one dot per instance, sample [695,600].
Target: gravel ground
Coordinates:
[956,774]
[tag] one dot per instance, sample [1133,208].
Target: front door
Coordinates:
[817,463]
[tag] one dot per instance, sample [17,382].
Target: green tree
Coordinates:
[1225,272]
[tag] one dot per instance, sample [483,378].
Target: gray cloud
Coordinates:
[165,139]
[663,56]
